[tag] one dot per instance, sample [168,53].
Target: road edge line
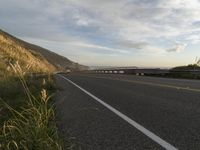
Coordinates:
[139,127]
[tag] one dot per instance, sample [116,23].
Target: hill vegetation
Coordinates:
[27,118]
[190,71]
[31,58]
[188,67]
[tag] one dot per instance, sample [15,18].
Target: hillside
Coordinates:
[188,67]
[36,58]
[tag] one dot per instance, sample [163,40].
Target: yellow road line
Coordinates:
[150,83]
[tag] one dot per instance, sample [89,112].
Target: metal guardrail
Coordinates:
[141,71]
[135,71]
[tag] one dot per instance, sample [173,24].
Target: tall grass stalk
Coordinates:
[33,127]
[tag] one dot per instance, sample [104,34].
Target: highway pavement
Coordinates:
[167,109]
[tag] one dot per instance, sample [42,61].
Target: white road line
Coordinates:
[145,131]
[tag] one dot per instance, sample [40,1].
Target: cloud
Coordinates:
[194,39]
[177,48]
[142,46]
[141,20]
[99,47]
[132,44]
[105,26]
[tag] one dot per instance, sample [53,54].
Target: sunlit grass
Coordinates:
[12,50]
[32,126]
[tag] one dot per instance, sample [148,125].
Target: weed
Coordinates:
[32,127]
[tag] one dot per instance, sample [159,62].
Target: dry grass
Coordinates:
[42,59]
[11,51]
[33,125]
[26,113]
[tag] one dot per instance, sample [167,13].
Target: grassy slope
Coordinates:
[59,62]
[13,93]
[38,130]
[10,51]
[188,67]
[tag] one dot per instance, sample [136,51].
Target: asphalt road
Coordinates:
[169,108]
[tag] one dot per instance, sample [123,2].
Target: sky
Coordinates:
[144,33]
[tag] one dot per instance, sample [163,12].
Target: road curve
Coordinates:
[169,108]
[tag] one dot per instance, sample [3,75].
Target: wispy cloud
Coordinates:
[107,26]
[177,48]
[114,50]
[194,39]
